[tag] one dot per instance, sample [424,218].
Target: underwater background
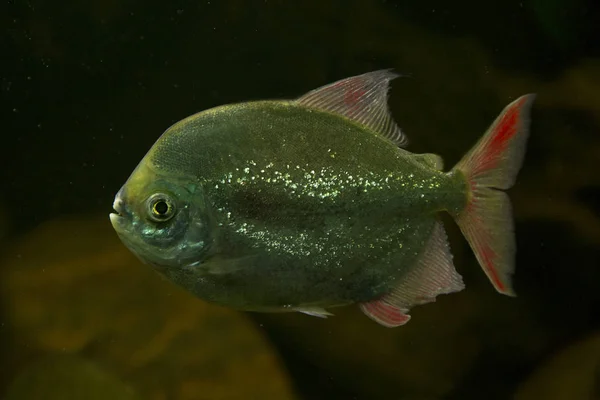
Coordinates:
[88,86]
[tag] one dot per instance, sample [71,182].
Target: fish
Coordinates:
[313,203]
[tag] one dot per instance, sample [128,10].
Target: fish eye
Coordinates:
[160,207]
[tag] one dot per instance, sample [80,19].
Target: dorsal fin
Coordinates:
[362,98]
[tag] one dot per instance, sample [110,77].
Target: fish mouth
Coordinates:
[117,218]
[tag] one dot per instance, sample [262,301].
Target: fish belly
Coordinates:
[338,266]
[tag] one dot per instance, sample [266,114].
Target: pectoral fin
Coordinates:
[221,265]
[315,311]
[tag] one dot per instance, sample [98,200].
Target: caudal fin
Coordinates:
[490,167]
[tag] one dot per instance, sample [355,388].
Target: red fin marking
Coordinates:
[488,256]
[352,93]
[504,130]
[507,128]
[352,97]
[354,103]
[384,314]
[352,90]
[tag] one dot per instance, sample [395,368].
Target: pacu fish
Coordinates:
[313,203]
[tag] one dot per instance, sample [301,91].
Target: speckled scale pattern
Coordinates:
[311,207]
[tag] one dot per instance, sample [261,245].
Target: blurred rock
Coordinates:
[71,286]
[67,378]
[573,374]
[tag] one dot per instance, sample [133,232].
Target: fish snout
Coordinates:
[121,213]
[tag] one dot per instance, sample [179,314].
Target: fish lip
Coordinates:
[118,206]
[115,219]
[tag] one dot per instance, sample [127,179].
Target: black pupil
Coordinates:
[161,207]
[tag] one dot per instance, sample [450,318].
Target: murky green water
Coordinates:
[87,87]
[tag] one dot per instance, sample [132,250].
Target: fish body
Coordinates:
[308,204]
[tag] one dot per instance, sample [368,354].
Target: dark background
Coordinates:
[88,86]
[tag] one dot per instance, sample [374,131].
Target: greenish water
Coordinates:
[87,87]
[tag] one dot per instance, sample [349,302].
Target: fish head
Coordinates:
[163,220]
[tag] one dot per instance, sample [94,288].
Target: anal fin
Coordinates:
[432,275]
[385,314]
